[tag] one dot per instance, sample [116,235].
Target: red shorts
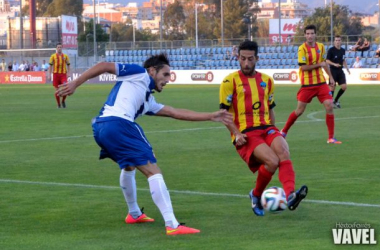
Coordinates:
[306,94]
[58,79]
[255,138]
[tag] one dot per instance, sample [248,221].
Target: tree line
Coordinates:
[240,18]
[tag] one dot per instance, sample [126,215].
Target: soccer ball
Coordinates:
[274,200]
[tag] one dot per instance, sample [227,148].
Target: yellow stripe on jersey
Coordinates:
[309,56]
[249,99]
[59,62]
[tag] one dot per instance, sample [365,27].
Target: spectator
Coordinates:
[44,66]
[378,52]
[15,66]
[3,65]
[358,44]
[22,66]
[234,53]
[35,67]
[358,63]
[28,66]
[10,66]
[366,45]
[289,39]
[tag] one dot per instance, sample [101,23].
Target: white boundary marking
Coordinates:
[342,203]
[310,116]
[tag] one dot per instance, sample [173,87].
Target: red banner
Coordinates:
[69,41]
[28,77]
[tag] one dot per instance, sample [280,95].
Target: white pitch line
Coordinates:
[342,203]
[310,116]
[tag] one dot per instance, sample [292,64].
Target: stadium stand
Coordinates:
[271,57]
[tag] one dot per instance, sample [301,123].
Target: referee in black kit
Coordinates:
[336,60]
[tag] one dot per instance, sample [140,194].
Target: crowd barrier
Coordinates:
[280,76]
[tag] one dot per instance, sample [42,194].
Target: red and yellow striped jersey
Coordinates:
[59,62]
[308,56]
[249,99]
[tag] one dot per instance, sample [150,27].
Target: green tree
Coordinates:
[101,35]
[234,11]
[65,7]
[41,7]
[174,20]
[345,24]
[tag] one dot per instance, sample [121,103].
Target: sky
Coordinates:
[358,5]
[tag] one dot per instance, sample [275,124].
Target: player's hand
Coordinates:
[66,89]
[222,116]
[349,72]
[240,139]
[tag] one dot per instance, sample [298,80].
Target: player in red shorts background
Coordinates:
[249,96]
[311,59]
[60,67]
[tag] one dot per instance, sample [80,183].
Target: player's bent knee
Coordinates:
[149,169]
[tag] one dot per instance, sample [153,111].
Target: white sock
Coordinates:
[128,186]
[161,198]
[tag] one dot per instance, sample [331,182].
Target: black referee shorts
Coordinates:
[339,76]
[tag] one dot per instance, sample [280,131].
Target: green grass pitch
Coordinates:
[56,194]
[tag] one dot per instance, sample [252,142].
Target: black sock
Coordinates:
[340,93]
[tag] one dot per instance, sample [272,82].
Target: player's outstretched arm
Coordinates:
[98,69]
[188,115]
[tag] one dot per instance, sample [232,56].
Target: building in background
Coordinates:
[290,9]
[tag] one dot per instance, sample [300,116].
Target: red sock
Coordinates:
[57,99]
[263,179]
[330,125]
[63,99]
[286,176]
[291,120]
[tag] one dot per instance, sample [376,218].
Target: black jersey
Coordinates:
[336,56]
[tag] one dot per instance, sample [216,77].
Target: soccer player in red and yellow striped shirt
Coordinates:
[311,59]
[58,62]
[249,96]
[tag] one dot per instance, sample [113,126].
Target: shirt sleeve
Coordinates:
[225,93]
[67,60]
[128,69]
[330,54]
[51,61]
[272,104]
[301,56]
[154,107]
[323,53]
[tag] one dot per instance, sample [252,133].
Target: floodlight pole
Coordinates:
[222,23]
[94,19]
[332,22]
[279,22]
[21,28]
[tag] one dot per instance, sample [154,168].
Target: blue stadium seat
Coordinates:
[374,47]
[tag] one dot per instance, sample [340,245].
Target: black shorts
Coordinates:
[339,76]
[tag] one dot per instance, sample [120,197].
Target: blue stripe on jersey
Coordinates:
[129,69]
[113,94]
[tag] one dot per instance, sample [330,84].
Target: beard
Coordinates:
[248,71]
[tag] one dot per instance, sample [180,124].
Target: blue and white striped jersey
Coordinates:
[131,96]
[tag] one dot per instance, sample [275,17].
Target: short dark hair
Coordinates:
[337,36]
[58,44]
[249,45]
[157,61]
[310,27]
